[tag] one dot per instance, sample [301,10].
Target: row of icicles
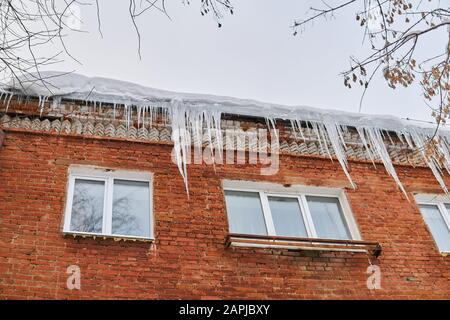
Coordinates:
[189,124]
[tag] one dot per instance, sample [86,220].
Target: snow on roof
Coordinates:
[192,112]
[79,87]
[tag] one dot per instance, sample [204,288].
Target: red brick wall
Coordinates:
[189,259]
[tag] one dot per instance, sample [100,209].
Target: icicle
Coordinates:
[293,124]
[127,111]
[41,105]
[319,139]
[341,135]
[419,140]
[377,142]
[187,122]
[400,137]
[216,118]
[407,136]
[56,102]
[369,152]
[144,111]
[272,121]
[390,138]
[6,97]
[180,139]
[336,142]
[130,116]
[323,132]
[209,135]
[299,124]
[9,101]
[445,150]
[139,109]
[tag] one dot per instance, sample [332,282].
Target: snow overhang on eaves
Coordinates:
[193,112]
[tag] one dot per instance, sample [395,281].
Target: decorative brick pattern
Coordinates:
[295,144]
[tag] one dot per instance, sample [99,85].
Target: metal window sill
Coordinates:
[104,236]
[296,243]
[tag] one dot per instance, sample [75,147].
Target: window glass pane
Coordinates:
[87,206]
[131,208]
[287,218]
[328,218]
[436,223]
[245,213]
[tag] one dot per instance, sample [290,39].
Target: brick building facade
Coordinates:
[189,257]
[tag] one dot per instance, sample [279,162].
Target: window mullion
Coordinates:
[107,213]
[267,215]
[307,218]
[445,214]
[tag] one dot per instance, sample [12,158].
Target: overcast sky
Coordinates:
[254,55]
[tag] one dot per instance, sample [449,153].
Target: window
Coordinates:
[267,209]
[436,213]
[109,203]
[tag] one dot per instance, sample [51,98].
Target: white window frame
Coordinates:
[107,176]
[435,200]
[300,192]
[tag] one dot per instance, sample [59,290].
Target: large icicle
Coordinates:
[180,139]
[377,143]
[187,127]
[419,140]
[335,136]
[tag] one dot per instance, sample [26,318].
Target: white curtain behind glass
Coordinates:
[245,213]
[287,218]
[328,218]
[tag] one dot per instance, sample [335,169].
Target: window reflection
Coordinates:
[437,225]
[87,206]
[131,208]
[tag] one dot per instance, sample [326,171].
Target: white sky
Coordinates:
[254,55]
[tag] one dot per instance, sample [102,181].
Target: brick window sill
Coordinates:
[103,236]
[295,243]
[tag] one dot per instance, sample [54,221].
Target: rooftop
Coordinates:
[60,85]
